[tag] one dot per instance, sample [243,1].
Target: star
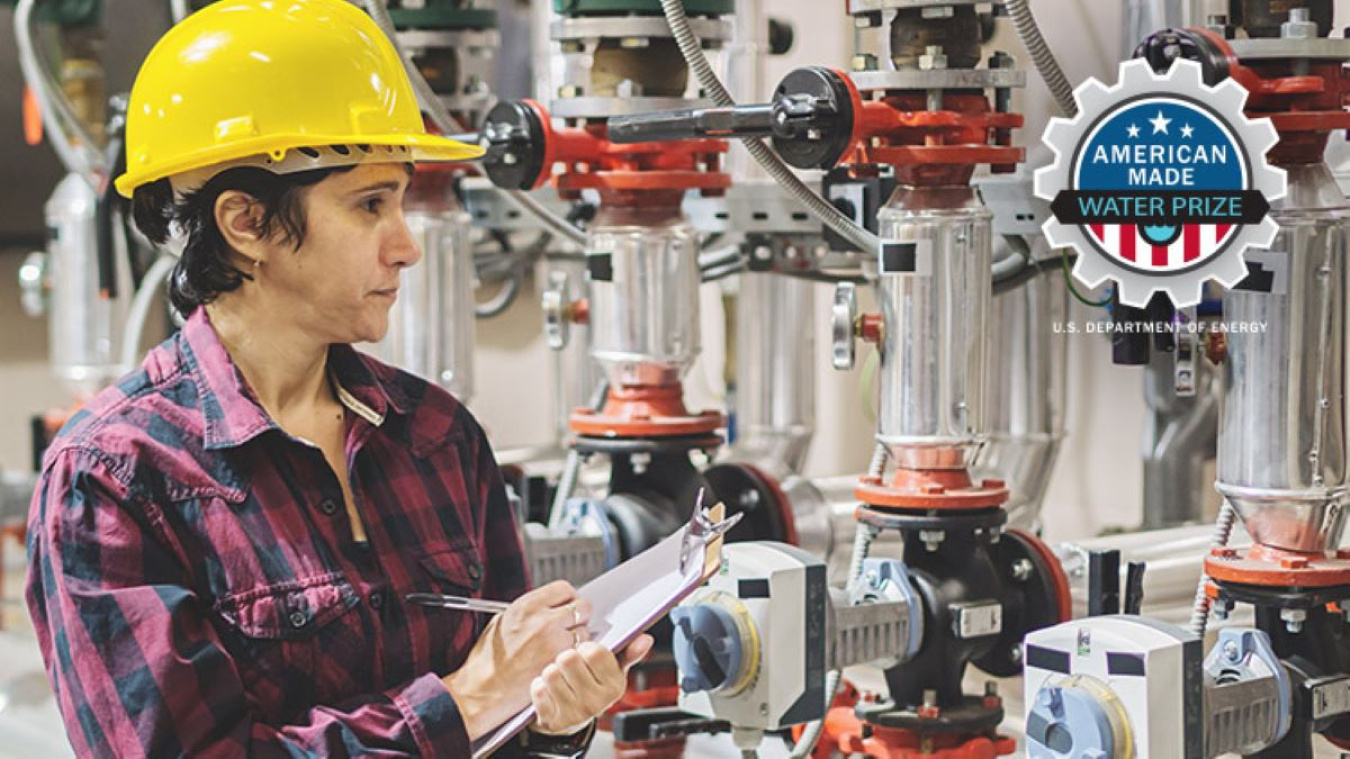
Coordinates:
[1186,130]
[1159,123]
[1133,130]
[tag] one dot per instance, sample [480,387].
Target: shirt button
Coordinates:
[298,618]
[328,506]
[475,571]
[376,600]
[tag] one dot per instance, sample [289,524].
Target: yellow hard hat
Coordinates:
[247,81]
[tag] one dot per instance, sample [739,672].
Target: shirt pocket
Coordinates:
[452,568]
[455,569]
[278,634]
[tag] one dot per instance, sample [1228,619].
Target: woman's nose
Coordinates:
[403,250]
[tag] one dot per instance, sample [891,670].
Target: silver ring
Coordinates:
[576,615]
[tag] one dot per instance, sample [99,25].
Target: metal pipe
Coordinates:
[775,373]
[1180,437]
[71,139]
[575,373]
[935,342]
[150,292]
[1282,429]
[1027,372]
[745,57]
[644,311]
[84,326]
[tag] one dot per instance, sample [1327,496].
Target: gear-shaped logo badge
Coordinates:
[1160,183]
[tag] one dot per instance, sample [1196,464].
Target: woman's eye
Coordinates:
[372,205]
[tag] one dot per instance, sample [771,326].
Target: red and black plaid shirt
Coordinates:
[194,581]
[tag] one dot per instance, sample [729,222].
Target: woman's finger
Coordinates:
[545,706]
[636,651]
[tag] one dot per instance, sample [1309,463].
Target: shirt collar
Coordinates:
[231,412]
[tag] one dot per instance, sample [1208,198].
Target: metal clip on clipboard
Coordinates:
[701,531]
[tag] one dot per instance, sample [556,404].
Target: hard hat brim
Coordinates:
[426,148]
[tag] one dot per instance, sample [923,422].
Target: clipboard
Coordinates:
[635,595]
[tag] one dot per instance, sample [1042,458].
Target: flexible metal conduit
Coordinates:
[1046,64]
[692,51]
[441,117]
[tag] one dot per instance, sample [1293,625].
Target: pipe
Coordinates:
[692,50]
[1181,435]
[80,155]
[1025,417]
[139,314]
[179,9]
[775,374]
[567,483]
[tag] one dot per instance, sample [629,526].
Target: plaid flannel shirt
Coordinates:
[194,582]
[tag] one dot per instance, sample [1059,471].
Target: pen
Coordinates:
[458,602]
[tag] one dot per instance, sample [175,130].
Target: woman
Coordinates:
[221,545]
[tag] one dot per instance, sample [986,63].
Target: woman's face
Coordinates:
[341,282]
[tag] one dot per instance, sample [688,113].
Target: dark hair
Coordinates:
[205,270]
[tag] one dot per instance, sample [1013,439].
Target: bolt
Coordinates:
[748,500]
[627,89]
[864,62]
[932,539]
[569,91]
[1223,553]
[1231,652]
[1298,27]
[1022,569]
[640,462]
[932,59]
[764,709]
[1001,60]
[1222,608]
[990,688]
[1016,654]
[1293,620]
[1294,562]
[1218,23]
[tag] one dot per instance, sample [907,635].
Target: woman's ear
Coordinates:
[239,219]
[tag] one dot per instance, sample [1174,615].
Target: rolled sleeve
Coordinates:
[433,718]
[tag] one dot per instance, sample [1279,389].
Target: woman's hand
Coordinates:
[495,680]
[581,684]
